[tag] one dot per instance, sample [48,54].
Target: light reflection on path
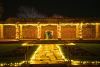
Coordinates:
[47,54]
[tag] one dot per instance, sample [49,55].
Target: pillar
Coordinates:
[77,31]
[21,30]
[17,31]
[39,30]
[59,31]
[1,31]
[97,30]
[80,30]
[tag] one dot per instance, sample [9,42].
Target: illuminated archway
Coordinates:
[48,34]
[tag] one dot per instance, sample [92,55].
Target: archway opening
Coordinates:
[48,34]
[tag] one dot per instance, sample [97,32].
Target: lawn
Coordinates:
[82,51]
[91,47]
[8,47]
[15,52]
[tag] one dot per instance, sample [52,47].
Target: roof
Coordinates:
[53,20]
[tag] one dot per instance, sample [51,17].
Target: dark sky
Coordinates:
[79,8]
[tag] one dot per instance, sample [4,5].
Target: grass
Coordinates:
[14,52]
[8,47]
[91,47]
[82,51]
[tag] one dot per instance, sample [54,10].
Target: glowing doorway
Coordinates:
[48,34]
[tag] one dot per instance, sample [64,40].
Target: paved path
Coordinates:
[47,54]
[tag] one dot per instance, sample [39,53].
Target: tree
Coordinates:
[29,12]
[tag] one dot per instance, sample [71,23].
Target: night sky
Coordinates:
[74,8]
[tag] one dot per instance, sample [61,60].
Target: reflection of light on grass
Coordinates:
[75,62]
[12,64]
[61,53]
[1,64]
[46,48]
[25,44]
[33,56]
[71,44]
[21,62]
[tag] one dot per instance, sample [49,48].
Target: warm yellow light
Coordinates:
[47,48]
[62,53]
[21,62]
[25,44]
[33,55]
[84,62]
[10,24]
[1,64]
[64,24]
[75,62]
[71,44]
[29,24]
[47,24]
[12,64]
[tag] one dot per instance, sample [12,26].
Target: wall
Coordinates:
[29,32]
[68,32]
[35,31]
[9,32]
[88,31]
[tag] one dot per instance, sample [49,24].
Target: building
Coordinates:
[51,29]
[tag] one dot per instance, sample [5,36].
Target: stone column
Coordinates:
[17,31]
[97,30]
[21,31]
[77,31]
[39,30]
[59,31]
[1,31]
[80,30]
